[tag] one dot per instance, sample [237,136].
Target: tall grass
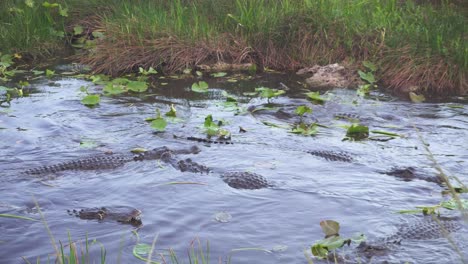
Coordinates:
[30,26]
[415,43]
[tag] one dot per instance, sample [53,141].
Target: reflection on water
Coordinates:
[48,126]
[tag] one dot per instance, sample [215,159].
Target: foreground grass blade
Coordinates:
[18,217]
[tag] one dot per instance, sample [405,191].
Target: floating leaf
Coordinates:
[322,247]
[136,86]
[357,132]
[304,129]
[140,251]
[88,144]
[172,111]
[199,73]
[113,89]
[37,72]
[91,100]
[330,227]
[302,109]
[229,98]
[315,97]
[151,70]
[455,106]
[159,124]
[138,150]
[364,90]
[268,93]
[49,73]
[415,98]
[200,87]
[218,74]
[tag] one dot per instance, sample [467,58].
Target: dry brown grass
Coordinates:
[435,76]
[120,53]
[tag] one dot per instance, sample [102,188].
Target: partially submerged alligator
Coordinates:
[109,161]
[422,229]
[121,214]
[329,155]
[409,174]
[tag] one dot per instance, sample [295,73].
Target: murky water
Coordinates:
[47,127]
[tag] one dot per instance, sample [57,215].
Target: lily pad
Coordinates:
[315,97]
[302,109]
[159,124]
[200,87]
[330,227]
[415,98]
[136,86]
[91,100]
[357,132]
[218,74]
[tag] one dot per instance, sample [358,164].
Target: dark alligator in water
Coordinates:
[121,214]
[421,229]
[409,174]
[110,161]
[236,179]
[329,155]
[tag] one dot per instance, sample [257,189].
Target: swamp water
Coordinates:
[272,225]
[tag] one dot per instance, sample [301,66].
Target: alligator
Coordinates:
[409,174]
[235,179]
[121,214]
[328,155]
[430,227]
[109,161]
[73,68]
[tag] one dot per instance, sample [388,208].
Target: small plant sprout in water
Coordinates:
[368,77]
[89,100]
[302,110]
[357,131]
[214,128]
[305,129]
[158,123]
[268,93]
[332,240]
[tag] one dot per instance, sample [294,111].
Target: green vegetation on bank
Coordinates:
[413,44]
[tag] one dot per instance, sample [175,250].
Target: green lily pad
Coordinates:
[357,132]
[113,89]
[159,124]
[91,100]
[218,74]
[330,227]
[415,98]
[315,97]
[200,87]
[302,109]
[136,86]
